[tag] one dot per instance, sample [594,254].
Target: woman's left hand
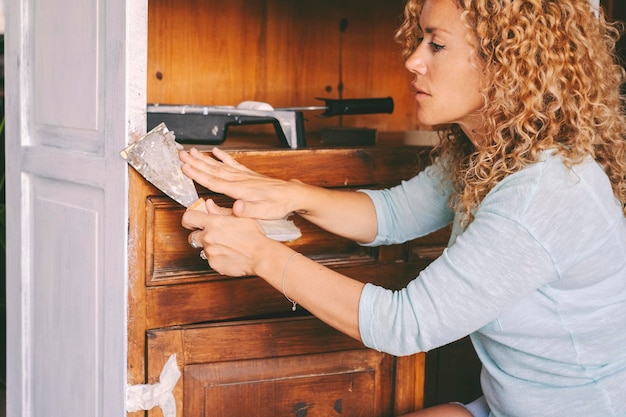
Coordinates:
[255,195]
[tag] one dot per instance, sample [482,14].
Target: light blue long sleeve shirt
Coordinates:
[538,280]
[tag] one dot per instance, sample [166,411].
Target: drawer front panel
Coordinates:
[340,167]
[328,385]
[230,298]
[170,259]
[280,367]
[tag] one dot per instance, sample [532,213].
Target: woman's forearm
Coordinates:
[345,213]
[236,246]
[330,296]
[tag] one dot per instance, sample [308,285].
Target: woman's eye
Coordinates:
[436,47]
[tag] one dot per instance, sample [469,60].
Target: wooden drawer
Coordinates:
[282,367]
[231,298]
[339,167]
[182,289]
[170,259]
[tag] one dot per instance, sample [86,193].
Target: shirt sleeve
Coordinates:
[498,259]
[467,287]
[412,209]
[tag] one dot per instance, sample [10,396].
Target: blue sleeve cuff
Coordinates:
[366,316]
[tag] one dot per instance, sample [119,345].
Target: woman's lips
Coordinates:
[419,93]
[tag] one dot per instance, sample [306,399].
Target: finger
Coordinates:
[194,219]
[213,208]
[228,160]
[193,242]
[239,208]
[253,209]
[203,173]
[243,208]
[197,160]
[220,159]
[210,172]
[189,157]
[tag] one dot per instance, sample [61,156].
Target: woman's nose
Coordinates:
[416,63]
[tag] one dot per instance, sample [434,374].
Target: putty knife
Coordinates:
[155,157]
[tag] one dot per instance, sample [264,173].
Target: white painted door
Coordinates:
[75,96]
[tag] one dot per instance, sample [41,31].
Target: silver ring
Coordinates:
[193,242]
[203,255]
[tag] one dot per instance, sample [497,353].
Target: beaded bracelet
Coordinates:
[284,276]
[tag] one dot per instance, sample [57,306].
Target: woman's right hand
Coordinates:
[256,195]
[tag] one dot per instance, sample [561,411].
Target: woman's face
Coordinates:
[448,79]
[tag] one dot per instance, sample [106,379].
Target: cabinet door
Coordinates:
[75,97]
[282,367]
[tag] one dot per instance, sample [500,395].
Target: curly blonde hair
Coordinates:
[554,84]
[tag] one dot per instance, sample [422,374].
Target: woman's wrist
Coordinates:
[299,199]
[269,259]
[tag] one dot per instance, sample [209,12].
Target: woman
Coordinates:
[532,174]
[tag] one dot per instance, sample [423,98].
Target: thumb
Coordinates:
[240,209]
[213,208]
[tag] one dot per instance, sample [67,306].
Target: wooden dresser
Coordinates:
[240,348]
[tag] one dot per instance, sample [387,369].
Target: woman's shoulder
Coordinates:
[552,179]
[552,192]
[567,209]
